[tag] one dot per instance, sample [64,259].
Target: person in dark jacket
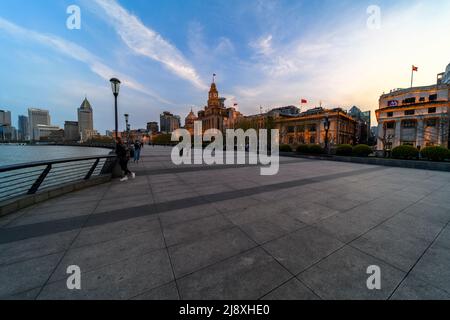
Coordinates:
[137,151]
[124,156]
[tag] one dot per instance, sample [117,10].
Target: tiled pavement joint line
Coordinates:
[420,258]
[348,244]
[261,246]
[165,244]
[13,234]
[69,246]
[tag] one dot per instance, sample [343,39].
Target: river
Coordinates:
[14,154]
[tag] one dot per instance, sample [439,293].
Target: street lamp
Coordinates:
[127,126]
[115,86]
[327,129]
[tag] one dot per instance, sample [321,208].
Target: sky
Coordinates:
[266,53]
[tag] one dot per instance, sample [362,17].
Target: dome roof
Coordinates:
[191,116]
[85,104]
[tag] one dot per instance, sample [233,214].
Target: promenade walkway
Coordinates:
[198,232]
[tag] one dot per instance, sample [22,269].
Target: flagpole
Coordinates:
[412,76]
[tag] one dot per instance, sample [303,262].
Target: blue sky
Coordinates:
[265,52]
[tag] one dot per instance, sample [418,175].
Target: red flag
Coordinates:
[304,101]
[414,68]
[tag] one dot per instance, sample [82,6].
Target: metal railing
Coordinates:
[29,178]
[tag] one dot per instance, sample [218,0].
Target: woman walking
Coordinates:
[124,156]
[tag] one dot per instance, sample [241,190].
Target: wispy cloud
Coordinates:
[76,52]
[147,42]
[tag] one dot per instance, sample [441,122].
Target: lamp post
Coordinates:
[127,126]
[115,86]
[327,129]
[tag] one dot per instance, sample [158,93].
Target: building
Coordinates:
[86,121]
[363,123]
[309,127]
[44,132]
[37,117]
[23,132]
[71,131]
[169,122]
[189,122]
[417,116]
[6,130]
[215,115]
[5,118]
[152,127]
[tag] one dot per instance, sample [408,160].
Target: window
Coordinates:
[291,129]
[390,125]
[312,128]
[433,97]
[431,110]
[431,123]
[390,114]
[410,112]
[408,124]
[422,99]
[409,101]
[301,128]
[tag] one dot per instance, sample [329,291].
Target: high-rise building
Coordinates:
[152,127]
[85,120]
[71,131]
[5,118]
[24,131]
[6,130]
[37,117]
[169,122]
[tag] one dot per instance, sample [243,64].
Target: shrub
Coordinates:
[362,150]
[285,148]
[315,149]
[435,153]
[303,148]
[344,150]
[405,152]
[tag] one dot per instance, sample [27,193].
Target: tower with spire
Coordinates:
[86,120]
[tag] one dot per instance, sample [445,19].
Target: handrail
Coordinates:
[17,181]
[51,162]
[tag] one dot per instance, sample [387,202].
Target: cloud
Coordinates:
[147,42]
[345,63]
[78,53]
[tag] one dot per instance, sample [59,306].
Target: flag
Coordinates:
[414,68]
[304,101]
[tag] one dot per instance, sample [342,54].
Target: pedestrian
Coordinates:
[137,151]
[123,155]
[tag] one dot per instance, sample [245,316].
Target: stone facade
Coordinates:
[309,128]
[417,116]
[216,115]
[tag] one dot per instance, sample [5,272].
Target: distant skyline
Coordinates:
[265,53]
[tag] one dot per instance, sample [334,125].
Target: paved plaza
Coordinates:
[226,232]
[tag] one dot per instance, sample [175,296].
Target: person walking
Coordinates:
[137,151]
[123,155]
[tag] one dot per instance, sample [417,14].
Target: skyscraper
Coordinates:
[24,128]
[86,120]
[169,122]
[5,118]
[36,118]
